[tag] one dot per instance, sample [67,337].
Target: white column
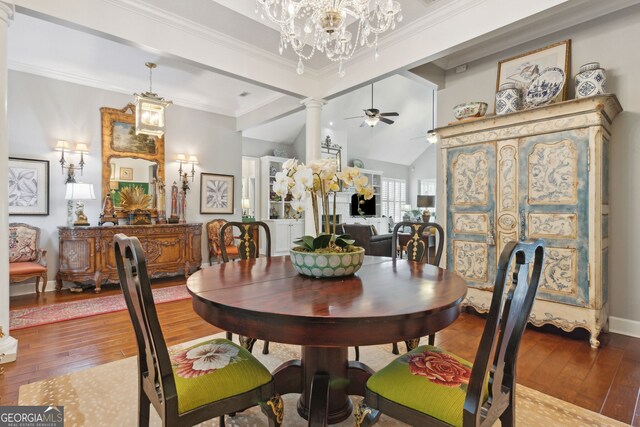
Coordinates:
[8,345]
[312,148]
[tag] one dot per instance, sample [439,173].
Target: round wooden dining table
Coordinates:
[385,301]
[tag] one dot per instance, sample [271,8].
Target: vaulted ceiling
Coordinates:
[210,51]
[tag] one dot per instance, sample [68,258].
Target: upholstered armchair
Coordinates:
[26,259]
[366,237]
[213,237]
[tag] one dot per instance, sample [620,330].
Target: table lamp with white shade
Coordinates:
[78,191]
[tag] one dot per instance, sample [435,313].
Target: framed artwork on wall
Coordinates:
[28,186]
[216,193]
[113,171]
[126,174]
[524,68]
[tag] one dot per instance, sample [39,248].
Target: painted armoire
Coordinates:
[538,173]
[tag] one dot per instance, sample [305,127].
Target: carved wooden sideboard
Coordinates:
[86,253]
[539,173]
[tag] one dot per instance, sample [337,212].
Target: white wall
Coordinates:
[390,170]
[252,147]
[424,167]
[609,40]
[42,111]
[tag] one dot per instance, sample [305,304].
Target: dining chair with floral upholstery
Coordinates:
[187,384]
[430,386]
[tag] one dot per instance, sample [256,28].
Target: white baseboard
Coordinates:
[624,326]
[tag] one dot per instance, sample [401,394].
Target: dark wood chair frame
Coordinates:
[247,249]
[505,325]
[417,251]
[156,385]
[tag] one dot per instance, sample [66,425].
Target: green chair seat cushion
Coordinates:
[214,370]
[427,379]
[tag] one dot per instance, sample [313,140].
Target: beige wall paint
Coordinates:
[613,41]
[43,110]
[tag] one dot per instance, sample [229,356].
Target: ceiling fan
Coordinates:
[373,115]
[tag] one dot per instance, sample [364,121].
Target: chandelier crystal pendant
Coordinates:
[150,110]
[334,27]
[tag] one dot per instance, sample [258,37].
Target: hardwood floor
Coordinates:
[561,365]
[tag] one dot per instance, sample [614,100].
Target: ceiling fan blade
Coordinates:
[390,114]
[354,117]
[363,124]
[387,121]
[418,137]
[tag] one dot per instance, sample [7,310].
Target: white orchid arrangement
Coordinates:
[319,179]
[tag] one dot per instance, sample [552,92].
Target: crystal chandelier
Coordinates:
[326,26]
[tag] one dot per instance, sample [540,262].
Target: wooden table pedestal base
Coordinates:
[309,378]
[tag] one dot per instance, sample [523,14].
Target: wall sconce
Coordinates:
[65,147]
[150,110]
[182,159]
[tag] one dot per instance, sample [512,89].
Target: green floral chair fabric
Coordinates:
[194,384]
[431,387]
[214,370]
[427,379]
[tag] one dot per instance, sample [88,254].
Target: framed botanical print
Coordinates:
[524,68]
[28,186]
[216,193]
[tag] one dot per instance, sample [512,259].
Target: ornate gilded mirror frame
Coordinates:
[123,143]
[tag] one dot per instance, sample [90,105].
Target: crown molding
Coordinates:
[7,11]
[163,17]
[442,11]
[83,80]
[515,35]
[264,102]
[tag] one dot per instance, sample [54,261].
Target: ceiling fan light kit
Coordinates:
[325,26]
[373,115]
[432,137]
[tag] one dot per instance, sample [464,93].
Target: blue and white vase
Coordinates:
[508,99]
[590,80]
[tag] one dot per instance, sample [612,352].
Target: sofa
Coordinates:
[366,236]
[26,259]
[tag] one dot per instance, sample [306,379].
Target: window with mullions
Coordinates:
[394,197]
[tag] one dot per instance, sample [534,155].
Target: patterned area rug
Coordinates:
[107,396]
[36,316]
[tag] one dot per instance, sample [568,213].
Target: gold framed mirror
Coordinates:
[128,160]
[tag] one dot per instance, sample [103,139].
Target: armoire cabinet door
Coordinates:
[554,203]
[470,213]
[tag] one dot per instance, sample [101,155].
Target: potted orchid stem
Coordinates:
[326,254]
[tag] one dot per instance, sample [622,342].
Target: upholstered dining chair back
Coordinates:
[213,238]
[248,245]
[418,247]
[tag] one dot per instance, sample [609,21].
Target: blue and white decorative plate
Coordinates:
[545,88]
[358,163]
